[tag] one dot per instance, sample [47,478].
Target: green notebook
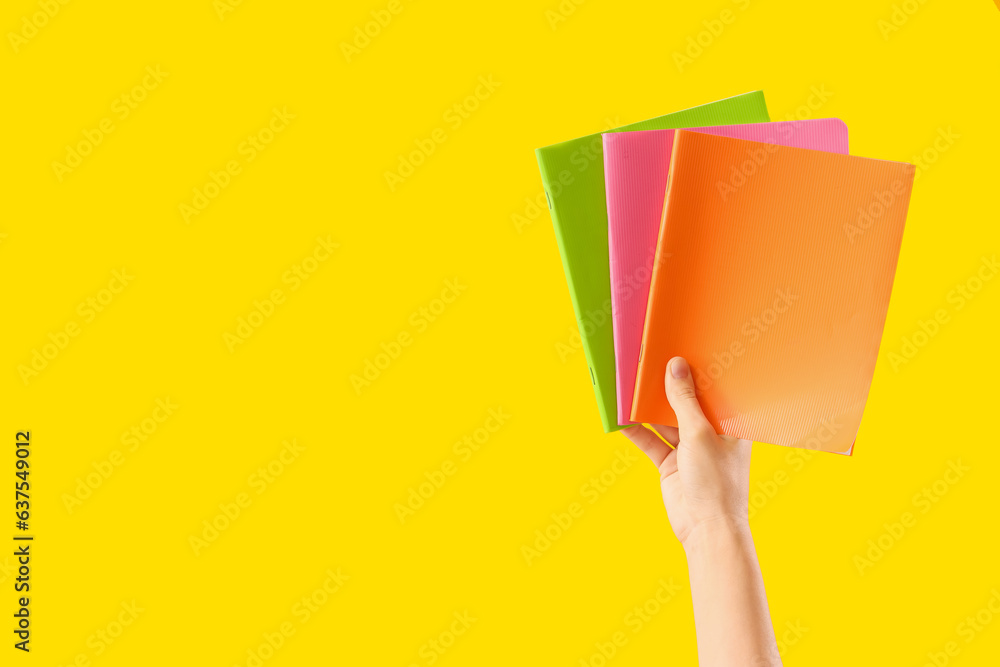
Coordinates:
[573,176]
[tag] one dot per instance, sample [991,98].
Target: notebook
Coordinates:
[635,177]
[772,276]
[573,175]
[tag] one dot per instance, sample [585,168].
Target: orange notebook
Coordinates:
[773,272]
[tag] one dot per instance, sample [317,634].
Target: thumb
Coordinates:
[683,399]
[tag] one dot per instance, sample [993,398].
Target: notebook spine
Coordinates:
[547,182]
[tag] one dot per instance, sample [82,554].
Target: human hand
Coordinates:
[706,484]
[706,480]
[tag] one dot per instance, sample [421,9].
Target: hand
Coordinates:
[705,481]
[706,484]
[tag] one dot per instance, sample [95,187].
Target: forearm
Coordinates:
[732,621]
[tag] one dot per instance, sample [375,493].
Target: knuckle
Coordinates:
[685,392]
[702,430]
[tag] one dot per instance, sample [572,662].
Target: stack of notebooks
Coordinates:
[761,252]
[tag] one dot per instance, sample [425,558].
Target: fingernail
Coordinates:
[679,367]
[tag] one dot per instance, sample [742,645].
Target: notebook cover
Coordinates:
[573,175]
[775,289]
[635,178]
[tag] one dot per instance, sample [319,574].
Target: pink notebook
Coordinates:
[636,165]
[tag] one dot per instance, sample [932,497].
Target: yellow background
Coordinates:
[494,346]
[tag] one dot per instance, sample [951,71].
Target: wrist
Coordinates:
[725,532]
